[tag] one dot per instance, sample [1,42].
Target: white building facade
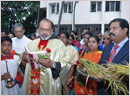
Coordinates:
[92,15]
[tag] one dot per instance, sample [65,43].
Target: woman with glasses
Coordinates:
[106,39]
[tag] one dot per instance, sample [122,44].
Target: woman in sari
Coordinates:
[74,56]
[70,41]
[94,55]
[75,42]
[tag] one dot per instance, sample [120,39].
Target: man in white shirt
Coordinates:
[19,42]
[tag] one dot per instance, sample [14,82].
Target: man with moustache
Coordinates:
[49,77]
[118,51]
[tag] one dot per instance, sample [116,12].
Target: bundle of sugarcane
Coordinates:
[118,78]
[114,74]
[94,70]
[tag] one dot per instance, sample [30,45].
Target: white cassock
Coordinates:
[12,67]
[19,46]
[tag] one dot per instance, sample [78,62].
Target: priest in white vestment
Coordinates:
[49,78]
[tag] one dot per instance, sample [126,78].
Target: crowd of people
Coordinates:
[58,74]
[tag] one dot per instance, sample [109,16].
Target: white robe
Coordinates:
[12,67]
[48,84]
[18,44]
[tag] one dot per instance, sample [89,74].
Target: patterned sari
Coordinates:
[91,87]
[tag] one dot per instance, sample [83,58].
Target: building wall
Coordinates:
[82,12]
[84,16]
[66,18]
[43,4]
[87,17]
[125,10]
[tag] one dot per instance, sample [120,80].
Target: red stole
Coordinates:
[11,56]
[42,43]
[35,88]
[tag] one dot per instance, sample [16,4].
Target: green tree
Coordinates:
[24,12]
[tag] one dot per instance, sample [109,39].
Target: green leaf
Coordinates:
[45,57]
[39,55]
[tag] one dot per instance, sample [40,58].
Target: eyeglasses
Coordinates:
[43,30]
[106,38]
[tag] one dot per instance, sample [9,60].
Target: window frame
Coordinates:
[97,3]
[115,6]
[56,8]
[68,10]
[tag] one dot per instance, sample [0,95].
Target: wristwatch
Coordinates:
[54,66]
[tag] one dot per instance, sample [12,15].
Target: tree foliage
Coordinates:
[24,12]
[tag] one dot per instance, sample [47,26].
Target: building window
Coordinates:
[88,28]
[65,8]
[117,5]
[82,29]
[66,29]
[62,29]
[68,6]
[96,6]
[54,8]
[97,28]
[112,5]
[57,8]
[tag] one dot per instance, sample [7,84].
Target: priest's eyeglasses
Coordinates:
[44,30]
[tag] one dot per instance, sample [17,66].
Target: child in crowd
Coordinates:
[9,67]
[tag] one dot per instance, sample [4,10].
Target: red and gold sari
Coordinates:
[91,87]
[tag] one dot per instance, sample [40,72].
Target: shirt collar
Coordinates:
[122,42]
[21,38]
